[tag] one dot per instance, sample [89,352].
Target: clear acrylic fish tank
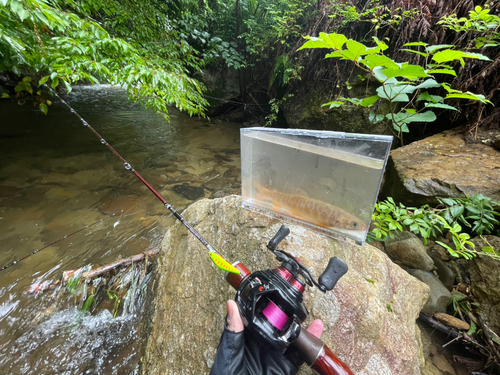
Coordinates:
[326,181]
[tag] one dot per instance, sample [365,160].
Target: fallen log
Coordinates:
[45,286]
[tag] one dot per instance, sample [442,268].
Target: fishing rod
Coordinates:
[49,245]
[216,257]
[270,302]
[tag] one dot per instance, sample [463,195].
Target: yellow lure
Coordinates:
[222,263]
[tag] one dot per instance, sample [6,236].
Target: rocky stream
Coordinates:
[56,179]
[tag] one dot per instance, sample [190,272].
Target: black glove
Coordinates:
[241,354]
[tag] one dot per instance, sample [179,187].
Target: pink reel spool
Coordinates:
[275,315]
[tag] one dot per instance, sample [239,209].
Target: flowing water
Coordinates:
[55,179]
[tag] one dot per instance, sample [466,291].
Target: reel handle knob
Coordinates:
[333,272]
[280,236]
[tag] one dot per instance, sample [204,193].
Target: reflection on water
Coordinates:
[55,179]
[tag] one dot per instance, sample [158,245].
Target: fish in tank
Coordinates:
[326,181]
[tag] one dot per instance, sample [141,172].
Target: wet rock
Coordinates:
[189,192]
[440,362]
[439,296]
[442,166]
[451,321]
[305,111]
[189,306]
[124,204]
[493,241]
[437,251]
[60,194]
[223,157]
[445,274]
[233,172]
[485,282]
[9,191]
[406,248]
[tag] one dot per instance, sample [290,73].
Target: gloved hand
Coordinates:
[239,352]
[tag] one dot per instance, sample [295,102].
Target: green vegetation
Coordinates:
[480,21]
[403,86]
[151,48]
[66,42]
[476,213]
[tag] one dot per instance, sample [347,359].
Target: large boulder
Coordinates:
[369,317]
[407,249]
[439,297]
[484,271]
[442,166]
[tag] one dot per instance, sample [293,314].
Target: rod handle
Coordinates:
[317,355]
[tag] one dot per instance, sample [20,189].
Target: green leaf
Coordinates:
[5,95]
[450,250]
[334,104]
[374,119]
[371,61]
[417,52]
[473,55]
[449,55]
[472,328]
[44,108]
[369,101]
[357,49]
[442,71]
[395,98]
[407,71]
[395,93]
[428,97]
[415,44]
[457,210]
[43,80]
[436,47]
[449,201]
[333,54]
[55,82]
[335,41]
[383,46]
[405,117]
[428,83]
[88,303]
[440,105]
[468,95]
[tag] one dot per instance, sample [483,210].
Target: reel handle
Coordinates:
[318,356]
[280,236]
[333,272]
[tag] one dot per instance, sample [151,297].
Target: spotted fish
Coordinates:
[311,210]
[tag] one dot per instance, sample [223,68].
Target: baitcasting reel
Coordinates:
[271,305]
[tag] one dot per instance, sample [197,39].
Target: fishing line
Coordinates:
[216,257]
[53,243]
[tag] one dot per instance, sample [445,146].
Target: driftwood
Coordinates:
[43,287]
[455,334]
[488,348]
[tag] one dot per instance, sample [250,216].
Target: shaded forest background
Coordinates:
[158,50]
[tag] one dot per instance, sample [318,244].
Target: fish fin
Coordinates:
[301,192]
[297,216]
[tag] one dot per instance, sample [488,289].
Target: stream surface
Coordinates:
[56,178]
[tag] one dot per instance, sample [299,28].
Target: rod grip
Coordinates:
[317,355]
